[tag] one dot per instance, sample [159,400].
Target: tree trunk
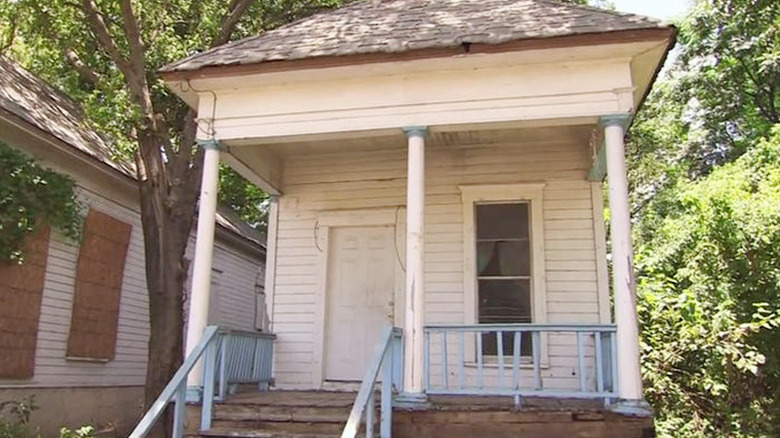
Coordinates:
[167,221]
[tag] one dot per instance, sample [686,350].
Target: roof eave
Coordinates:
[583,39]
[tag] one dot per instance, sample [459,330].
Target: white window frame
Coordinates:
[533,194]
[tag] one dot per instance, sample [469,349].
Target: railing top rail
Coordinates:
[230,331]
[604,328]
[367,385]
[167,394]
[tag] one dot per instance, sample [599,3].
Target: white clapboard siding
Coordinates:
[235,292]
[376,178]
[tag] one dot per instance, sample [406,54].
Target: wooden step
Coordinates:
[233,433]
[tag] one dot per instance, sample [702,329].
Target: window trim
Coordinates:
[533,194]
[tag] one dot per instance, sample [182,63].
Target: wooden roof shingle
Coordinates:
[397,26]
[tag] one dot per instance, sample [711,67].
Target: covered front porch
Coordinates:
[364,220]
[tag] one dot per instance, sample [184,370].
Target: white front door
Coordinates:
[359,294]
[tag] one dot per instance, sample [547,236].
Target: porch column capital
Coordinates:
[622,120]
[209,143]
[415,131]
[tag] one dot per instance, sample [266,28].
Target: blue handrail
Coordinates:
[388,358]
[232,357]
[176,389]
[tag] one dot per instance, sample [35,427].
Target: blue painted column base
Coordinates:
[633,408]
[411,401]
[194,394]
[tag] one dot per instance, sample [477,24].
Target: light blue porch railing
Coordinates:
[243,357]
[231,357]
[387,357]
[496,359]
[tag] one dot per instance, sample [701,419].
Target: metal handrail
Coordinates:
[176,389]
[387,357]
[601,354]
[227,361]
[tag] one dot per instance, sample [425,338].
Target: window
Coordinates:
[99,273]
[21,293]
[503,271]
[503,237]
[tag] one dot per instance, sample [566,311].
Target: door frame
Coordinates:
[369,217]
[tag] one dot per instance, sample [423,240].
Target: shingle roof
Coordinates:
[32,100]
[396,26]
[29,98]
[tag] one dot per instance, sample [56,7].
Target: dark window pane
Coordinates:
[507,221]
[502,258]
[504,301]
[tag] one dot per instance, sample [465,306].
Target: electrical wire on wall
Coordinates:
[209,131]
[316,232]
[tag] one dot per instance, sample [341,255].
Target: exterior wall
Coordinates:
[575,283]
[110,392]
[115,409]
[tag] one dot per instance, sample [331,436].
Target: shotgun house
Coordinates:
[74,318]
[437,167]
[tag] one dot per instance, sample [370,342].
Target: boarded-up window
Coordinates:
[99,273]
[504,271]
[21,291]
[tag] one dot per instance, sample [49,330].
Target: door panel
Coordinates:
[359,295]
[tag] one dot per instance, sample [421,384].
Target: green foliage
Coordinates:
[15,418]
[31,196]
[248,201]
[85,431]
[705,186]
[710,301]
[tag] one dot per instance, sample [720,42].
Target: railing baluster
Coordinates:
[500,348]
[613,359]
[208,386]
[516,361]
[445,372]
[370,413]
[426,360]
[479,360]
[386,400]
[536,345]
[599,363]
[179,410]
[581,360]
[225,338]
[460,360]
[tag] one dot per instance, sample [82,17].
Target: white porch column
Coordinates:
[415,271]
[623,284]
[198,314]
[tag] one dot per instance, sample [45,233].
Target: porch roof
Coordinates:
[397,26]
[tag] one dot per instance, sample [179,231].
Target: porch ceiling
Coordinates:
[262,162]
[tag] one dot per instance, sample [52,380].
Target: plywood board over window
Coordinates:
[21,291]
[99,273]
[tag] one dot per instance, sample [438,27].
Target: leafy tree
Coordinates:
[704,178]
[31,196]
[106,54]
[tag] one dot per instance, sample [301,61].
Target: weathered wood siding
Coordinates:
[376,178]
[234,293]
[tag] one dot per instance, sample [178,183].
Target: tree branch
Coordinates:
[235,12]
[133,35]
[86,73]
[103,35]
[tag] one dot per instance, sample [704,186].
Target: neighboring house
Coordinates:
[74,322]
[438,165]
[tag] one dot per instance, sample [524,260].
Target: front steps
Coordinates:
[308,414]
[280,414]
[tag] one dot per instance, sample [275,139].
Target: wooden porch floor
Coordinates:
[323,413]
